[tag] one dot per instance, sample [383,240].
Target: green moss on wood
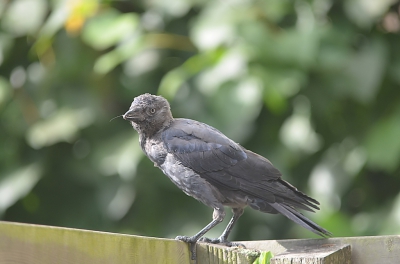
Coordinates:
[47,243]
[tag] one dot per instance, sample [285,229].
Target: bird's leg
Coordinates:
[237,212]
[218,217]
[223,239]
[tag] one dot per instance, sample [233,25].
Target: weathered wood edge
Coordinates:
[27,243]
[325,254]
[47,244]
[330,254]
[364,250]
[217,254]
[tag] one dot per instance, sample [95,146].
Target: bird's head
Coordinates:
[149,113]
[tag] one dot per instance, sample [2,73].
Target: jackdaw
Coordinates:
[207,165]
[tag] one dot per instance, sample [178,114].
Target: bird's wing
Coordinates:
[215,157]
[227,165]
[200,147]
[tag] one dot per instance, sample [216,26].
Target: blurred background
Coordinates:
[313,85]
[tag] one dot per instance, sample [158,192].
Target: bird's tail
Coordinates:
[300,219]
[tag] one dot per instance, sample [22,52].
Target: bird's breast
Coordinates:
[190,182]
[155,150]
[178,174]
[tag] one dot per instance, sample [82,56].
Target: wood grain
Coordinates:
[35,244]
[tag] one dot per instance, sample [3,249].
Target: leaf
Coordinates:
[365,70]
[79,12]
[17,184]
[24,16]
[173,80]
[107,62]
[109,28]
[5,91]
[264,258]
[383,144]
[63,126]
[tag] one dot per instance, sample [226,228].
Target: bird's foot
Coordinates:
[222,241]
[186,239]
[192,243]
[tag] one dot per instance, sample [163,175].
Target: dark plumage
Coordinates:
[210,167]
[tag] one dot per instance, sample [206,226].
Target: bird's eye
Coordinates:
[152,110]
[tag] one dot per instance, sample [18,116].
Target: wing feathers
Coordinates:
[224,163]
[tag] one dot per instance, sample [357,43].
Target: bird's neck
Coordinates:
[148,130]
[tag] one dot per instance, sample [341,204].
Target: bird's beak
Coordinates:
[134,114]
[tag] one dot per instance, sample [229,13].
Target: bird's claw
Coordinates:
[192,243]
[237,244]
[212,240]
[222,242]
[185,239]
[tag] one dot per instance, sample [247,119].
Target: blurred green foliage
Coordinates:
[311,84]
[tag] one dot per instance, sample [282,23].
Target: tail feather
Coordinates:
[298,198]
[300,219]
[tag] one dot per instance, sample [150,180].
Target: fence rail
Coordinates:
[36,244]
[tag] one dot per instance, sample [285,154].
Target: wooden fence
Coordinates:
[35,244]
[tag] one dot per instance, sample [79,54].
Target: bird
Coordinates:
[210,167]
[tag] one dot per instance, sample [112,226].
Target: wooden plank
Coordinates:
[216,254]
[364,250]
[330,254]
[35,244]
[327,254]
[26,243]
